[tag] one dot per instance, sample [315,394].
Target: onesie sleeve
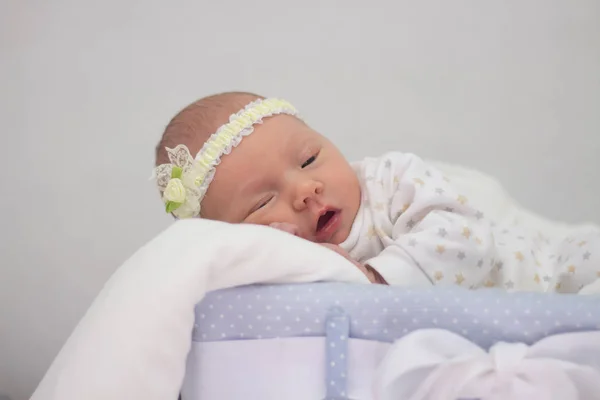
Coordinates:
[436,236]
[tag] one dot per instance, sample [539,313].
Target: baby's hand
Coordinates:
[369,272]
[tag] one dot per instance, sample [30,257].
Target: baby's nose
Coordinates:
[307,192]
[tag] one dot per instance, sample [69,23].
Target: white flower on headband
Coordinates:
[175,191]
[176,181]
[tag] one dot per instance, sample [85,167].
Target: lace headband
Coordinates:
[184,181]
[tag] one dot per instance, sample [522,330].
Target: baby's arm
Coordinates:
[433,235]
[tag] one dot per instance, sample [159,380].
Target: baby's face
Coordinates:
[285,172]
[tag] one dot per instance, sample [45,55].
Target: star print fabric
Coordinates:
[416,229]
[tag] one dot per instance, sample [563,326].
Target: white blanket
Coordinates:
[134,339]
[439,365]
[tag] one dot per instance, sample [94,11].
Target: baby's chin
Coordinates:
[348,217]
[341,235]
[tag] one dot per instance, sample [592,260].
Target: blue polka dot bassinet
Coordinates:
[327,340]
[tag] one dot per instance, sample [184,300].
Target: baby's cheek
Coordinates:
[261,218]
[276,215]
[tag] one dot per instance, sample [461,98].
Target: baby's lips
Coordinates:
[286,227]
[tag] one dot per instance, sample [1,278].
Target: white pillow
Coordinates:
[134,339]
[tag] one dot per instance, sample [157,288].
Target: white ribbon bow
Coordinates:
[435,364]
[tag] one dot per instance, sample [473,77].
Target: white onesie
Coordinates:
[415,229]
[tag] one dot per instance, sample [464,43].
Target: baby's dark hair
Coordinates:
[193,125]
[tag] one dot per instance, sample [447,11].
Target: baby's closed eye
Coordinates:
[310,160]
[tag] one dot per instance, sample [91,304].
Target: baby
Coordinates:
[396,218]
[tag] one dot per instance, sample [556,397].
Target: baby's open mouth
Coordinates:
[327,225]
[324,219]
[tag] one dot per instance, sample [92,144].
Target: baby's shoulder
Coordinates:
[406,175]
[393,162]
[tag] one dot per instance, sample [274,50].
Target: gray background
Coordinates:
[510,87]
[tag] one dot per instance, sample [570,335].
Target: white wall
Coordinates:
[511,87]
